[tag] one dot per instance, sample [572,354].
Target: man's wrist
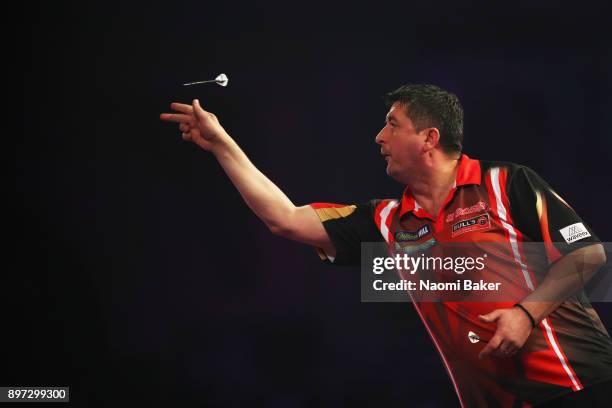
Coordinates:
[221,144]
[527,313]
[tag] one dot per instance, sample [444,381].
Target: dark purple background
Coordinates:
[140,273]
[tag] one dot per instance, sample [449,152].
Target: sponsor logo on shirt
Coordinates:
[411,249]
[479,222]
[479,206]
[574,232]
[407,236]
[473,337]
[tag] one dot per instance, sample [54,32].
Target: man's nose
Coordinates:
[379,139]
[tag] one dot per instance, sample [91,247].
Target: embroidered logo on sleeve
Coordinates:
[574,232]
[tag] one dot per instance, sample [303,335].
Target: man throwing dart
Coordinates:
[548,346]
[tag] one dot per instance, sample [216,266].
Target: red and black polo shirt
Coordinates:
[510,205]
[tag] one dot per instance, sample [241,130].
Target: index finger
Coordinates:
[489,348]
[176,117]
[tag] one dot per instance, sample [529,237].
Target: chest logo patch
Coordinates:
[409,236]
[415,249]
[459,212]
[479,222]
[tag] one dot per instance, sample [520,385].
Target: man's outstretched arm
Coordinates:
[266,200]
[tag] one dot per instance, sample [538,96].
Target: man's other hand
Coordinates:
[513,329]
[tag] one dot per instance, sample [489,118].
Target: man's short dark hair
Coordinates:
[431,106]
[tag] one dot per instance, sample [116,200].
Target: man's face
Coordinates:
[400,144]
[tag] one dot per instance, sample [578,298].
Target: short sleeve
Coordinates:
[348,226]
[541,214]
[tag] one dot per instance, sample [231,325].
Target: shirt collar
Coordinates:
[467,173]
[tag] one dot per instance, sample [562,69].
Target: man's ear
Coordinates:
[432,138]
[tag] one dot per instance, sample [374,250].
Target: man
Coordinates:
[541,347]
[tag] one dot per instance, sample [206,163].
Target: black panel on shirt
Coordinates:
[522,185]
[347,233]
